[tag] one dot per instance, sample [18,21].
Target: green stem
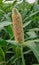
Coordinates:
[22,55]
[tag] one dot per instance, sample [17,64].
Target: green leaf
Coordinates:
[10,31]
[2,11]
[2,56]
[34,29]
[5,23]
[0,1]
[36,7]
[3,44]
[12,42]
[11,60]
[32,34]
[7,17]
[26,24]
[31,44]
[31,15]
[35,64]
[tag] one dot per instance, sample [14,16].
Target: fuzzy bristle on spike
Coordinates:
[17,26]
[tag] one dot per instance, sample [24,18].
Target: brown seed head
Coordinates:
[18,26]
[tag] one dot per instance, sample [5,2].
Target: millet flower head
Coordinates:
[17,26]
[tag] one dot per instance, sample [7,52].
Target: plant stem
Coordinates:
[22,55]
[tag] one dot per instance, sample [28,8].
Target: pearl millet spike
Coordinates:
[17,26]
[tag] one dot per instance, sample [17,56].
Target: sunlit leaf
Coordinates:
[32,34]
[5,23]
[31,44]
[26,24]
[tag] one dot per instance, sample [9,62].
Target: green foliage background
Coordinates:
[30,18]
